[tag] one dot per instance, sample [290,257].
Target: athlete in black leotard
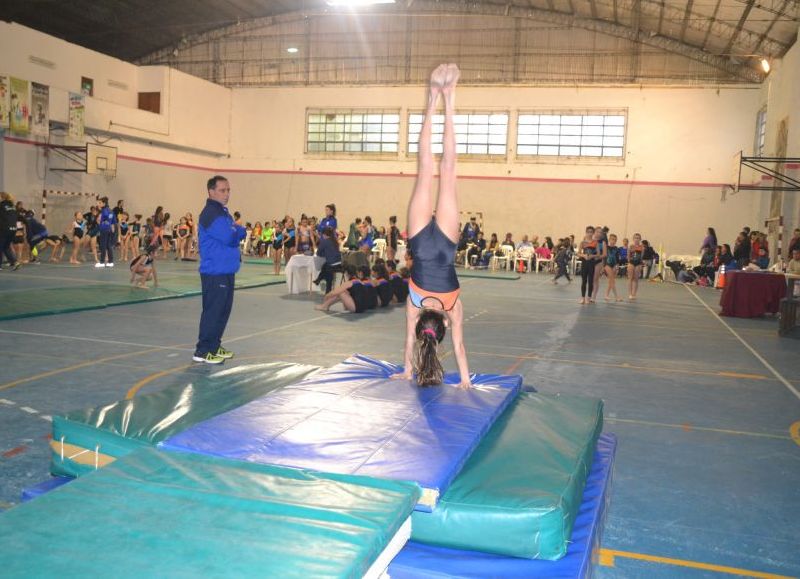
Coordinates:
[434,290]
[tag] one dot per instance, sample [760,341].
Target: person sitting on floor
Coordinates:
[382,284]
[350,294]
[370,293]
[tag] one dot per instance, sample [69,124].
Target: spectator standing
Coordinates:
[8,229]
[219,262]
[106,222]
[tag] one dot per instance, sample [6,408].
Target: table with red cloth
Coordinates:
[752,294]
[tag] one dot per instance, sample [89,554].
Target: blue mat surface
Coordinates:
[417,561]
[354,419]
[44,487]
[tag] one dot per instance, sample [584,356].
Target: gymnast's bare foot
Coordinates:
[439,77]
[451,78]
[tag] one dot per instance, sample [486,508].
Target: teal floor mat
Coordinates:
[55,289]
[158,514]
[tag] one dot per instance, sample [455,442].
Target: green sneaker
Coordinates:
[209,358]
[224,354]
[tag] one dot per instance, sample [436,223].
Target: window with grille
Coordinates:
[761,132]
[352,131]
[477,133]
[571,134]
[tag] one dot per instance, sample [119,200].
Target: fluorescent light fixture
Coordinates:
[765,64]
[357,3]
[292,49]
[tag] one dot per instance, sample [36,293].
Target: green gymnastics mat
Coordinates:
[520,491]
[71,296]
[159,514]
[85,440]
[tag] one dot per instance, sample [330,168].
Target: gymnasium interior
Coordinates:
[652,435]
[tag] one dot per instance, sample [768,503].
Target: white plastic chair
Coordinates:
[506,258]
[527,256]
[379,248]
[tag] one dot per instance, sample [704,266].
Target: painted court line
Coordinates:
[752,350]
[689,428]
[81,339]
[607,559]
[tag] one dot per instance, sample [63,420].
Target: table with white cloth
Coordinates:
[301,271]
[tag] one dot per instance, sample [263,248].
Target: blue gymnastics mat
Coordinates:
[418,561]
[159,514]
[44,487]
[354,419]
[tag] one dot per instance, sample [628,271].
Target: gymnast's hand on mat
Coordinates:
[407,375]
[465,384]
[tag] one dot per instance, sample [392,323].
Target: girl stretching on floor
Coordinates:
[434,302]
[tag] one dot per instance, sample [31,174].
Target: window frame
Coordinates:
[359,153]
[760,143]
[572,159]
[485,157]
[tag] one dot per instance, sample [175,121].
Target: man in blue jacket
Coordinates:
[219,261]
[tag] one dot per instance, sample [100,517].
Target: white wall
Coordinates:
[680,143]
[199,122]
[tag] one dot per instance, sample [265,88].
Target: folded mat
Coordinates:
[156,514]
[86,439]
[353,418]
[418,561]
[520,491]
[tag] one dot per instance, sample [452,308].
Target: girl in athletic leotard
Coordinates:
[277,247]
[349,293]
[78,233]
[434,301]
[635,264]
[610,265]
[587,254]
[125,233]
[143,268]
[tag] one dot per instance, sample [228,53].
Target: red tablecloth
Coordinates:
[752,294]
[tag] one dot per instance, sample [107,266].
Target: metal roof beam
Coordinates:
[686,16]
[711,25]
[739,26]
[778,15]
[427,7]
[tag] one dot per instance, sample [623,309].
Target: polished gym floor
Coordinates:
[707,476]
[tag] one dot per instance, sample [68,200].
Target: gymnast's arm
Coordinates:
[456,316]
[412,314]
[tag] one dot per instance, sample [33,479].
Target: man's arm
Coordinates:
[226,232]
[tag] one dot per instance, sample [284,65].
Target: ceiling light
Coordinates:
[292,49]
[357,3]
[765,64]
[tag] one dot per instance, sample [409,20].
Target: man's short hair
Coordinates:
[212,183]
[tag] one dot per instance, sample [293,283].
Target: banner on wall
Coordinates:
[77,112]
[20,106]
[5,101]
[40,109]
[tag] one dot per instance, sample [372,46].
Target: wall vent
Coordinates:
[117,84]
[42,62]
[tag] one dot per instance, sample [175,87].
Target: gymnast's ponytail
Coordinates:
[430,332]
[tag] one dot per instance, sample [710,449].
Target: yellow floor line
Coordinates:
[689,428]
[626,366]
[607,559]
[794,432]
[57,371]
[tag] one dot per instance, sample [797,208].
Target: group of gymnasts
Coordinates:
[367,288]
[599,255]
